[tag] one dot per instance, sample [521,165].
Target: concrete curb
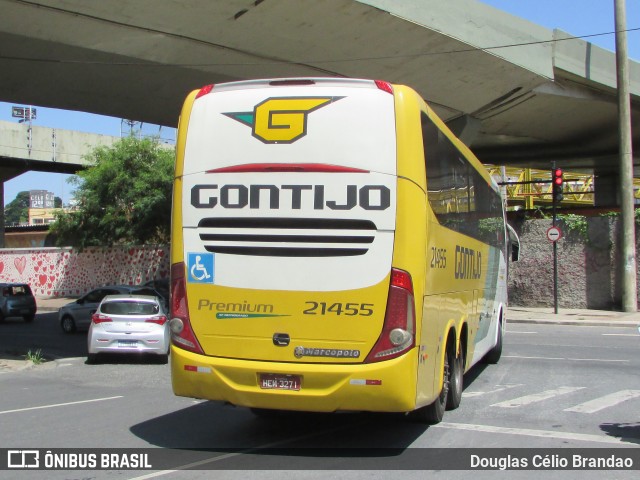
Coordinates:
[576,322]
[16,364]
[46,310]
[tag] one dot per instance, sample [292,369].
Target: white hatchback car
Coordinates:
[129,324]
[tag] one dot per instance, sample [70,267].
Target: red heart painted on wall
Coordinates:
[20,264]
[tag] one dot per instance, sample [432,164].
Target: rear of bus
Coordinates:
[290,289]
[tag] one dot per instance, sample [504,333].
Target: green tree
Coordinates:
[124,198]
[17,211]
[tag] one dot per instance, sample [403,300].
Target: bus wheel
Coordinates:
[456,377]
[433,413]
[494,354]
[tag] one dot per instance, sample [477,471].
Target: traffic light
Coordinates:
[556,183]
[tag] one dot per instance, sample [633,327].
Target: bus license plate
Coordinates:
[273,381]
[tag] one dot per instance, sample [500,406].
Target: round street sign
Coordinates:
[554,234]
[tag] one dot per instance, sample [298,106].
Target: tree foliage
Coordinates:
[124,198]
[17,211]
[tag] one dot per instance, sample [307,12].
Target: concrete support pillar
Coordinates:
[2,214]
[606,185]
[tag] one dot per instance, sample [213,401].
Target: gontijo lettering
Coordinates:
[468,263]
[367,197]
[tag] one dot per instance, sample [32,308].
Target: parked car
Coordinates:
[162,287]
[77,315]
[17,300]
[129,324]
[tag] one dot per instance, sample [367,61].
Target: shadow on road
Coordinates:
[17,338]
[629,432]
[128,359]
[288,439]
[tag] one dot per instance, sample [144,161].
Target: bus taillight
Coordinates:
[398,331]
[384,86]
[181,332]
[204,91]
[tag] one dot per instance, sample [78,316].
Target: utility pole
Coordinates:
[628,244]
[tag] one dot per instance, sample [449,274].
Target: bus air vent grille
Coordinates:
[287,237]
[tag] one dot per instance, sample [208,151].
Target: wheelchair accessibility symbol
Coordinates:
[200,267]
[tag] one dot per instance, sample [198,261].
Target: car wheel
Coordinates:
[1,317]
[92,358]
[162,359]
[29,318]
[68,324]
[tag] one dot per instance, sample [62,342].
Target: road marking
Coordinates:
[532,358]
[512,331]
[499,389]
[59,405]
[536,397]
[583,437]
[572,359]
[619,334]
[604,402]
[597,360]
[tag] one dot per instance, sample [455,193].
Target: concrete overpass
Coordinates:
[24,148]
[518,93]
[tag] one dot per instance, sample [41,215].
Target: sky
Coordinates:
[577,17]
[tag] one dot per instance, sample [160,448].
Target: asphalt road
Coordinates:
[555,387]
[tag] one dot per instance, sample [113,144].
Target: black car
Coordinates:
[17,300]
[162,287]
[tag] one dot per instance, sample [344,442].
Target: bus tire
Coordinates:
[456,379]
[433,413]
[495,353]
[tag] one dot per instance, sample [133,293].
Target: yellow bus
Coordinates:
[334,248]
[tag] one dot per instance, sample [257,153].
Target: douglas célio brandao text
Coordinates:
[559,461]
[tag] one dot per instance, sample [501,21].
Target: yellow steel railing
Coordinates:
[528,186]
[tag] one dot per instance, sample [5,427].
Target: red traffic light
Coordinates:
[557,182]
[557,176]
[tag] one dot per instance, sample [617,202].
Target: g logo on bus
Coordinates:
[281,119]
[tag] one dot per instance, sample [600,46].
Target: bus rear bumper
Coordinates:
[387,386]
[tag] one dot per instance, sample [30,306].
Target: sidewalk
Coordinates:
[52,304]
[567,316]
[514,315]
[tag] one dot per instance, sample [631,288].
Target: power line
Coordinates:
[321,61]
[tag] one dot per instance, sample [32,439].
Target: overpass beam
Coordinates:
[466,128]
